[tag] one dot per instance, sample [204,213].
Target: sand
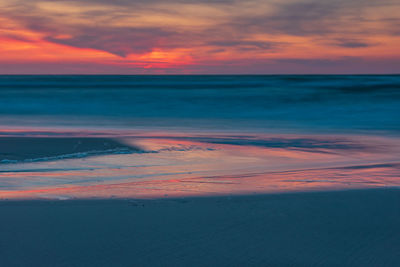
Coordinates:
[342,228]
[33,148]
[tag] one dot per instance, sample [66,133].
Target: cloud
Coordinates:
[119,41]
[213,31]
[352,43]
[246,45]
[251,66]
[316,17]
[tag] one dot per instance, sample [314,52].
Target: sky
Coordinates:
[199,36]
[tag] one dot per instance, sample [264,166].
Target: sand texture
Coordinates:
[343,228]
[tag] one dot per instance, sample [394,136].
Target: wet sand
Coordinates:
[342,228]
[33,148]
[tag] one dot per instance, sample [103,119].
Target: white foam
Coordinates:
[72,155]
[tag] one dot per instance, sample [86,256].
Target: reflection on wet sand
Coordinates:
[171,165]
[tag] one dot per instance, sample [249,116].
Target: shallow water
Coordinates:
[200,135]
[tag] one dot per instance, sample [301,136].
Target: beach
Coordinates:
[225,133]
[199,171]
[338,228]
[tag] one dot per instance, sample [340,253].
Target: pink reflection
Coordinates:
[176,165]
[306,180]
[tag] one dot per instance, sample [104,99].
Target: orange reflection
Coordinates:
[177,165]
[319,179]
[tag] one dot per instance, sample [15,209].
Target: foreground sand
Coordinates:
[348,228]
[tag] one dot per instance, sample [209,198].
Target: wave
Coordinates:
[72,155]
[294,101]
[90,153]
[31,149]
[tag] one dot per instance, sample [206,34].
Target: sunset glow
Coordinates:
[161,37]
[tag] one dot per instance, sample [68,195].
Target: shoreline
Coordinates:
[177,198]
[30,149]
